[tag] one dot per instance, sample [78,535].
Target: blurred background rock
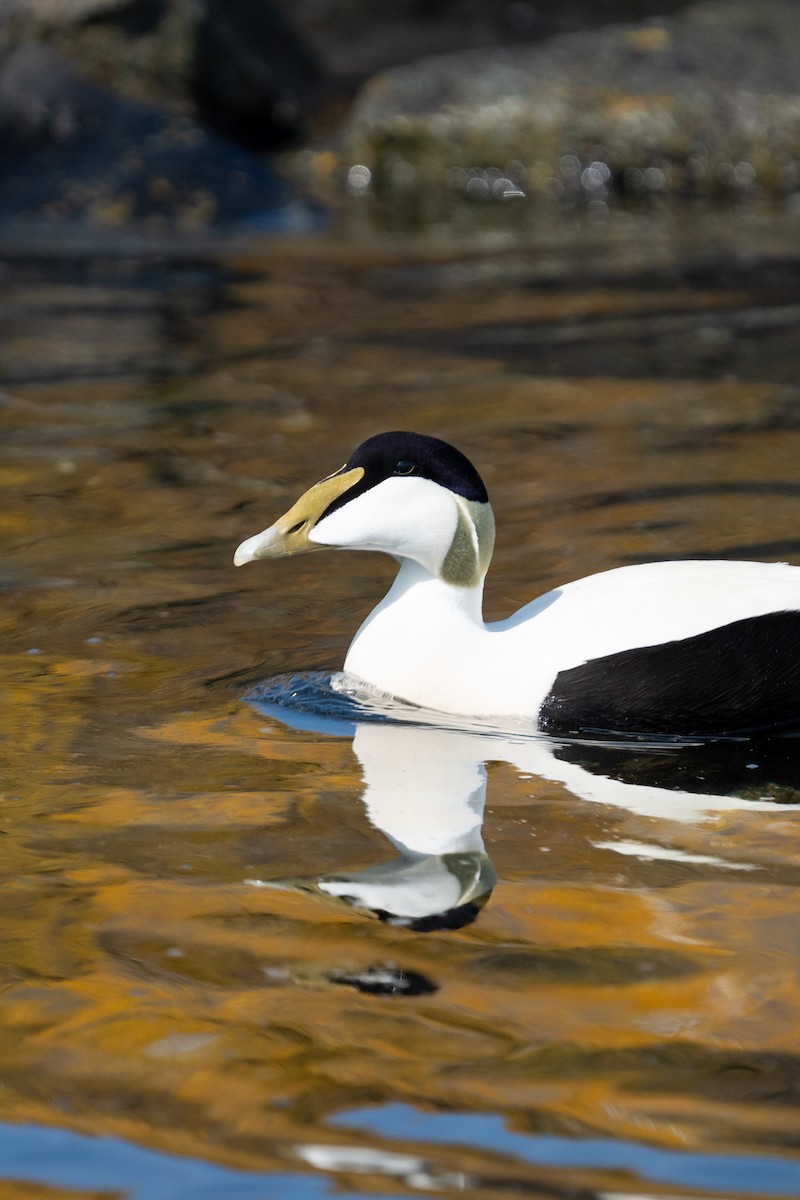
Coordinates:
[168,114]
[128,111]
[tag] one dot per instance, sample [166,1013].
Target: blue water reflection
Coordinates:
[63,1159]
[751,1174]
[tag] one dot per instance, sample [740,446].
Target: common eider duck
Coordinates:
[685,649]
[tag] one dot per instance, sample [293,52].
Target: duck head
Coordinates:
[408,495]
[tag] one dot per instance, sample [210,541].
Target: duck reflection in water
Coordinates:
[425,790]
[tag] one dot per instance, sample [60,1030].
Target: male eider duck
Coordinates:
[694,648]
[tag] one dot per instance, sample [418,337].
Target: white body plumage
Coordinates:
[426,641]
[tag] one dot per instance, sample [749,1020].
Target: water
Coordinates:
[260,940]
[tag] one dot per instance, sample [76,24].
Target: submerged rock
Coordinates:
[702,106]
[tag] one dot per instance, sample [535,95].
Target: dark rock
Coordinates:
[252,78]
[74,152]
[135,18]
[354,39]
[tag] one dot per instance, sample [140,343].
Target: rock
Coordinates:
[252,78]
[354,39]
[705,106]
[239,66]
[47,12]
[72,152]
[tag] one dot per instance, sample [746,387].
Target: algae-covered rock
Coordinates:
[706,105]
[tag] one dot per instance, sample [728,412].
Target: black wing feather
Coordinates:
[738,679]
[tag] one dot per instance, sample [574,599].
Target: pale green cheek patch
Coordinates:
[467,560]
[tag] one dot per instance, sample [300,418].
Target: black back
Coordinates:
[404,454]
[740,678]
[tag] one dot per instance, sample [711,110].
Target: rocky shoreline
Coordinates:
[166,116]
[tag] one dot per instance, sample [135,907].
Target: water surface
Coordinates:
[301,951]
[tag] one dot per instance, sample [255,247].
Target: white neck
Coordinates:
[414,580]
[419,642]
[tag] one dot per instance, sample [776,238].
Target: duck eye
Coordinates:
[404,467]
